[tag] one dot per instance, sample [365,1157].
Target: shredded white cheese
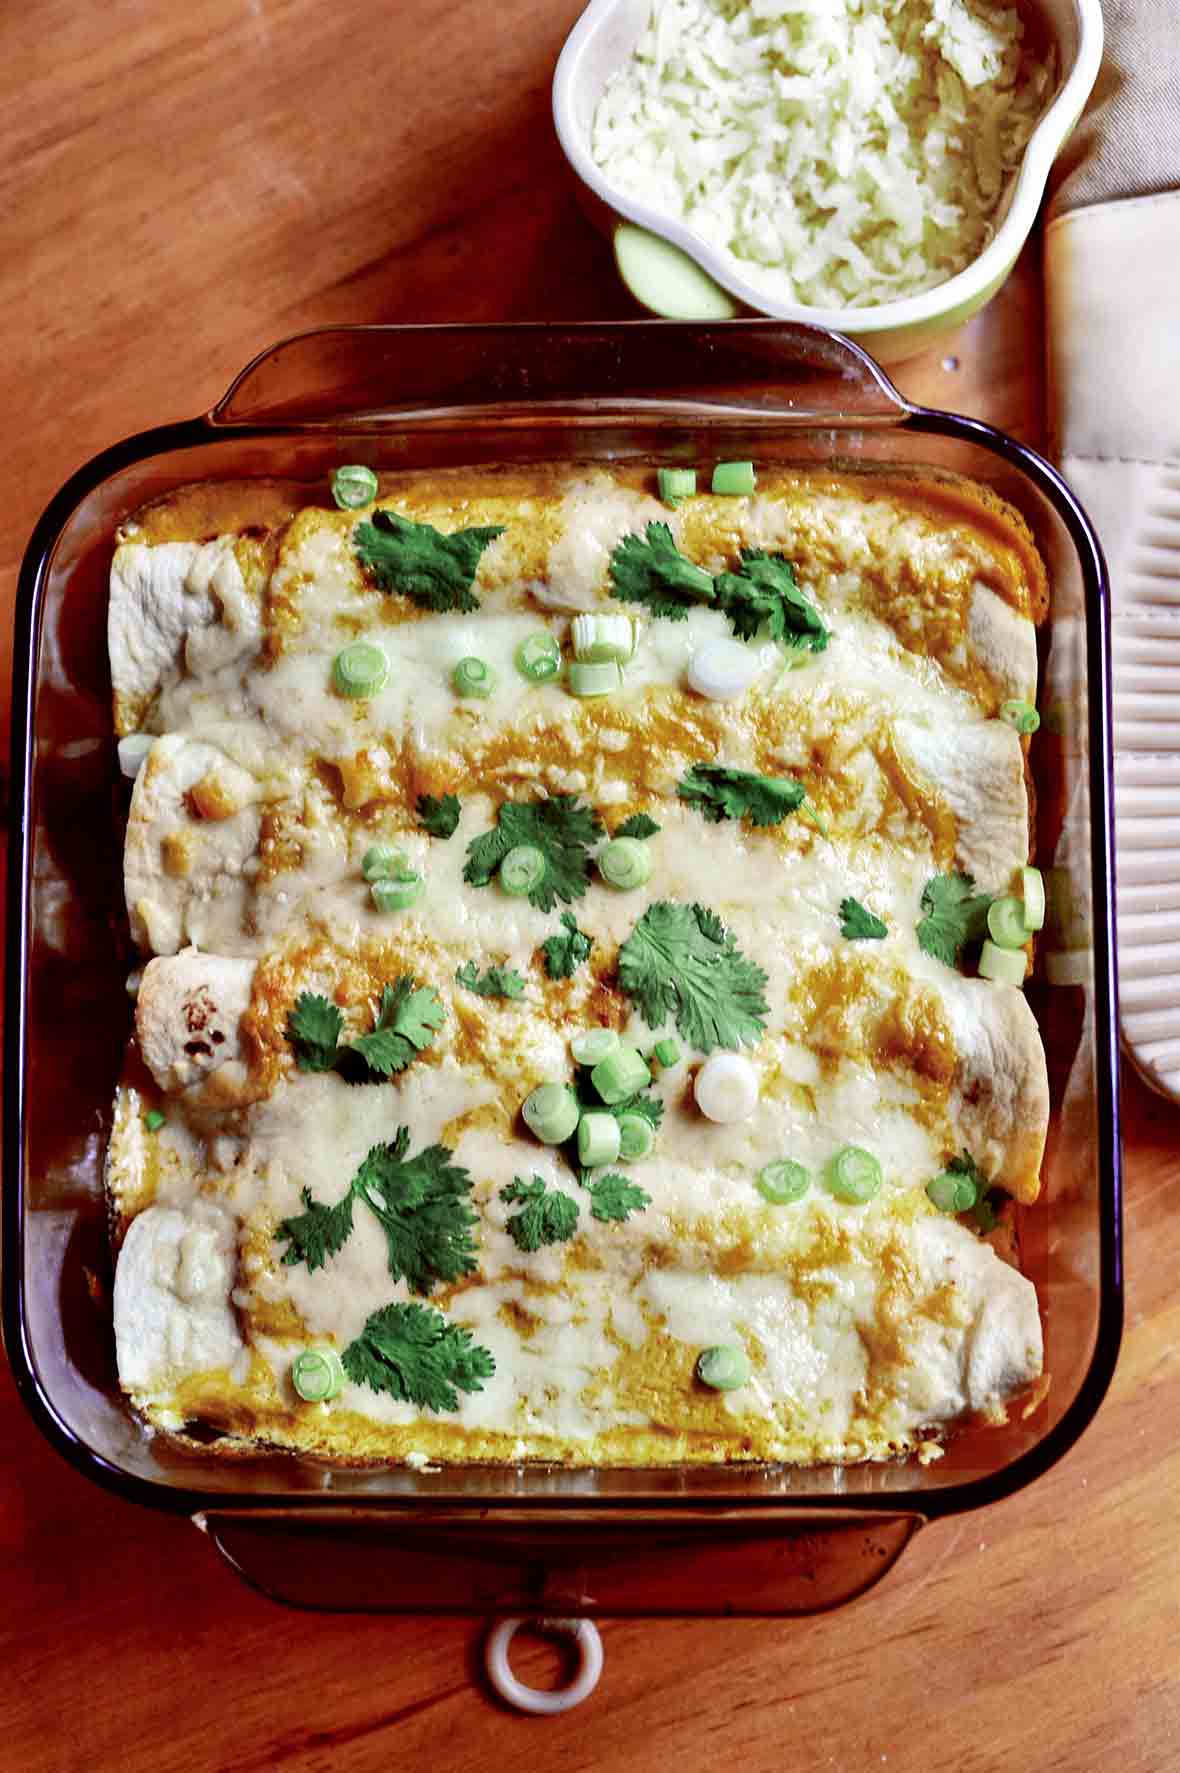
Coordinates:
[845,152]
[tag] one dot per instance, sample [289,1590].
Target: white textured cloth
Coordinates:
[1112,269]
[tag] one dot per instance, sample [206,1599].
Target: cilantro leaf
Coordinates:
[423,1208]
[859,924]
[496,982]
[407,1022]
[612,1197]
[955,915]
[318,1233]
[681,961]
[546,1216]
[314,1027]
[763,590]
[564,954]
[432,569]
[560,828]
[638,825]
[412,1352]
[439,816]
[651,570]
[722,793]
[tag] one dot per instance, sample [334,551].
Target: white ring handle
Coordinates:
[534,1699]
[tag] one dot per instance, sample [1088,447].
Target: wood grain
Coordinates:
[179,186]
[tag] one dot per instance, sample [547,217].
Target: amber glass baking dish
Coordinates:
[743,1539]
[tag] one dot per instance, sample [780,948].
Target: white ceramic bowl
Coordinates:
[681,276]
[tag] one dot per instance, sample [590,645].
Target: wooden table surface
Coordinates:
[181,185]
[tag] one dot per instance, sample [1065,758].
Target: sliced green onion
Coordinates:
[1033,884]
[397,894]
[1022,715]
[153,1120]
[602,638]
[676,484]
[359,670]
[620,1075]
[381,862]
[551,1113]
[599,1139]
[636,1137]
[951,1193]
[854,1175]
[1006,966]
[594,1045]
[588,679]
[783,1182]
[317,1374]
[353,486]
[1005,923]
[522,869]
[538,657]
[625,863]
[473,677]
[723,1368]
[667,1051]
[722,670]
[733,478]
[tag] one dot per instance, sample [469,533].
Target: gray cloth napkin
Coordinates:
[1112,309]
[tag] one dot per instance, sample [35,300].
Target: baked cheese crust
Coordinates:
[868,1328]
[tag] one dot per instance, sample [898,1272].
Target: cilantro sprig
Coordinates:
[859,924]
[763,591]
[546,1216]
[565,953]
[613,1198]
[651,570]
[433,570]
[723,793]
[420,1202]
[495,982]
[408,1018]
[439,816]
[561,828]
[414,1354]
[681,961]
[955,914]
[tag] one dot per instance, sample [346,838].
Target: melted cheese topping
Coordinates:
[866,1327]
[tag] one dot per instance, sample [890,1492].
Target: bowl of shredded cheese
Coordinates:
[872,166]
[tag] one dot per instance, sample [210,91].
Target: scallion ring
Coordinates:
[397,894]
[625,863]
[473,677]
[723,1367]
[317,1374]
[1021,715]
[1005,922]
[586,679]
[783,1182]
[353,486]
[951,1193]
[621,1074]
[538,657]
[1033,883]
[551,1113]
[1005,966]
[599,1139]
[594,1044]
[733,479]
[676,484]
[854,1175]
[153,1120]
[637,1137]
[382,862]
[667,1052]
[522,869]
[360,670]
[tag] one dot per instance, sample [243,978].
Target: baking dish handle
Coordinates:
[470,1561]
[356,376]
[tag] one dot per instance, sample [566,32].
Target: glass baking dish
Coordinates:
[740,1539]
